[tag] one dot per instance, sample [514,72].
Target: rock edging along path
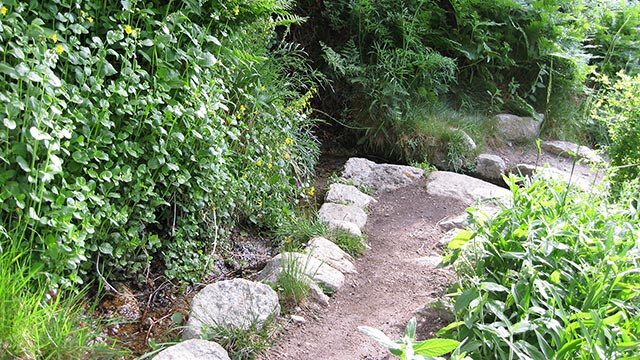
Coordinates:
[413,217]
[398,276]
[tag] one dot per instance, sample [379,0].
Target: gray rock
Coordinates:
[569,149]
[379,177]
[348,195]
[490,166]
[547,172]
[454,222]
[432,261]
[321,273]
[194,349]
[338,212]
[466,189]
[346,226]
[325,250]
[517,129]
[233,304]
[297,319]
[467,141]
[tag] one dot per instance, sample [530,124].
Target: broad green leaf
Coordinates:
[410,330]
[491,286]
[460,239]
[10,124]
[106,248]
[435,347]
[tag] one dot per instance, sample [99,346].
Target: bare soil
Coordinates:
[391,286]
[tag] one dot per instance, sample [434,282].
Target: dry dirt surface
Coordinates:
[395,281]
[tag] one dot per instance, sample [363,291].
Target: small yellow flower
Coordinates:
[236,11]
[82,13]
[262,88]
[242,108]
[59,49]
[128,29]
[288,141]
[259,203]
[3,11]
[312,190]
[286,156]
[245,176]
[54,38]
[259,162]
[269,165]
[90,19]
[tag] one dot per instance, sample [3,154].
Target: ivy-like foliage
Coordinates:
[135,133]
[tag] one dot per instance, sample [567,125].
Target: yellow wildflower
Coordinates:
[312,190]
[259,203]
[242,108]
[259,162]
[269,165]
[262,88]
[54,38]
[286,156]
[3,11]
[128,30]
[59,49]
[288,141]
[90,19]
[236,11]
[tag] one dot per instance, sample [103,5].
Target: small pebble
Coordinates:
[298,319]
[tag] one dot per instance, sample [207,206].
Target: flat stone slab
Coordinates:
[338,212]
[570,150]
[327,277]
[232,304]
[547,172]
[194,349]
[325,250]
[379,177]
[465,188]
[348,195]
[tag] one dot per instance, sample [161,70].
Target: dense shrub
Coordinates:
[619,110]
[139,131]
[555,276]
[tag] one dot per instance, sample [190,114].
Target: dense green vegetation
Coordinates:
[135,135]
[555,276]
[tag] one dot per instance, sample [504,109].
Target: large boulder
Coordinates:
[466,189]
[305,265]
[345,226]
[232,304]
[337,212]
[379,177]
[517,129]
[490,167]
[325,250]
[194,349]
[348,195]
[569,149]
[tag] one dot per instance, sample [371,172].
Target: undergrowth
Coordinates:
[555,276]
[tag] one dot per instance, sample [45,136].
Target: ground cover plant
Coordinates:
[555,276]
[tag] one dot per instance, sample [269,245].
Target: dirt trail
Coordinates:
[391,286]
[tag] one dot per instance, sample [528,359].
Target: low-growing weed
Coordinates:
[298,230]
[293,281]
[553,277]
[352,244]
[243,344]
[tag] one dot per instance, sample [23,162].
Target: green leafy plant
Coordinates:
[555,276]
[408,348]
[619,110]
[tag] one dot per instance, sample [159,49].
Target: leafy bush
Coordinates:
[136,131]
[553,277]
[619,110]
